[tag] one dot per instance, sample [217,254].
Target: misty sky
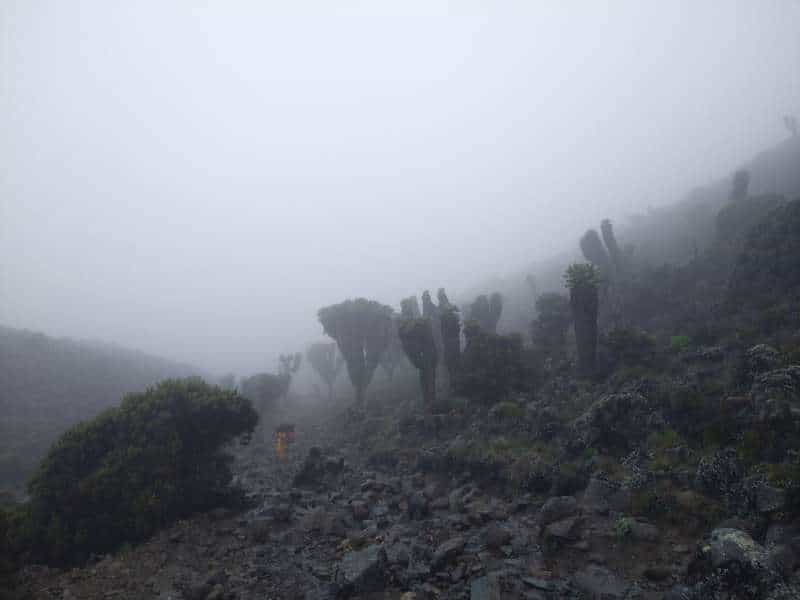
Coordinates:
[197,181]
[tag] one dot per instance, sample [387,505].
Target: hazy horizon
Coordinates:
[195,182]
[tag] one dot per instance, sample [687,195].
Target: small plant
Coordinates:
[678,343]
[624,528]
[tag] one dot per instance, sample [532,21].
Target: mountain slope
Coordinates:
[48,384]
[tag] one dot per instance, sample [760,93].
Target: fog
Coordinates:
[196,181]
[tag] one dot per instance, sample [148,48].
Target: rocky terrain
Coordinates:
[526,500]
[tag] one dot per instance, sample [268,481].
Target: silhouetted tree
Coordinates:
[594,252]
[451,336]
[393,356]
[486,311]
[288,365]
[263,390]
[326,362]
[416,336]
[583,282]
[409,308]
[431,311]
[549,329]
[362,329]
[610,240]
[491,364]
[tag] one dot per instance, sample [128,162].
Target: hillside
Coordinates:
[674,234]
[48,384]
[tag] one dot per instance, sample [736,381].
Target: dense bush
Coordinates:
[132,470]
[629,347]
[492,364]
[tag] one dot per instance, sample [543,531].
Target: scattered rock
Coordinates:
[557,508]
[600,583]
[362,571]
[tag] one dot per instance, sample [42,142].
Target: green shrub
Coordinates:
[492,365]
[679,342]
[629,347]
[134,469]
[624,528]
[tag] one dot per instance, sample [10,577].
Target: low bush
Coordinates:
[130,471]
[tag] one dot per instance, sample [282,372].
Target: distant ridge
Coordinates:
[48,384]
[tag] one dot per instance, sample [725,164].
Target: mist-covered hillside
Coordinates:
[672,234]
[48,384]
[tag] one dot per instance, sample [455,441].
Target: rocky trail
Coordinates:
[333,522]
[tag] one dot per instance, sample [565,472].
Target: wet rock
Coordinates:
[557,508]
[217,593]
[644,532]
[417,505]
[657,573]
[734,546]
[259,531]
[362,571]
[599,583]
[602,496]
[497,536]
[360,510]
[447,551]
[327,522]
[563,530]
[313,470]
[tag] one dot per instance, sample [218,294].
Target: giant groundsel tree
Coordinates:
[362,330]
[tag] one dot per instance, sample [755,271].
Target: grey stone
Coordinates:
[447,551]
[362,571]
[600,583]
[557,508]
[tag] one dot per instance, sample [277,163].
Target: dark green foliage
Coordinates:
[549,329]
[362,329]
[582,281]
[431,311]
[629,347]
[492,365]
[768,268]
[735,220]
[49,384]
[593,251]
[417,338]
[134,469]
[486,311]
[325,361]
[264,389]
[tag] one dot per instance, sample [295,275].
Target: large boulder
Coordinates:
[361,572]
[598,582]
